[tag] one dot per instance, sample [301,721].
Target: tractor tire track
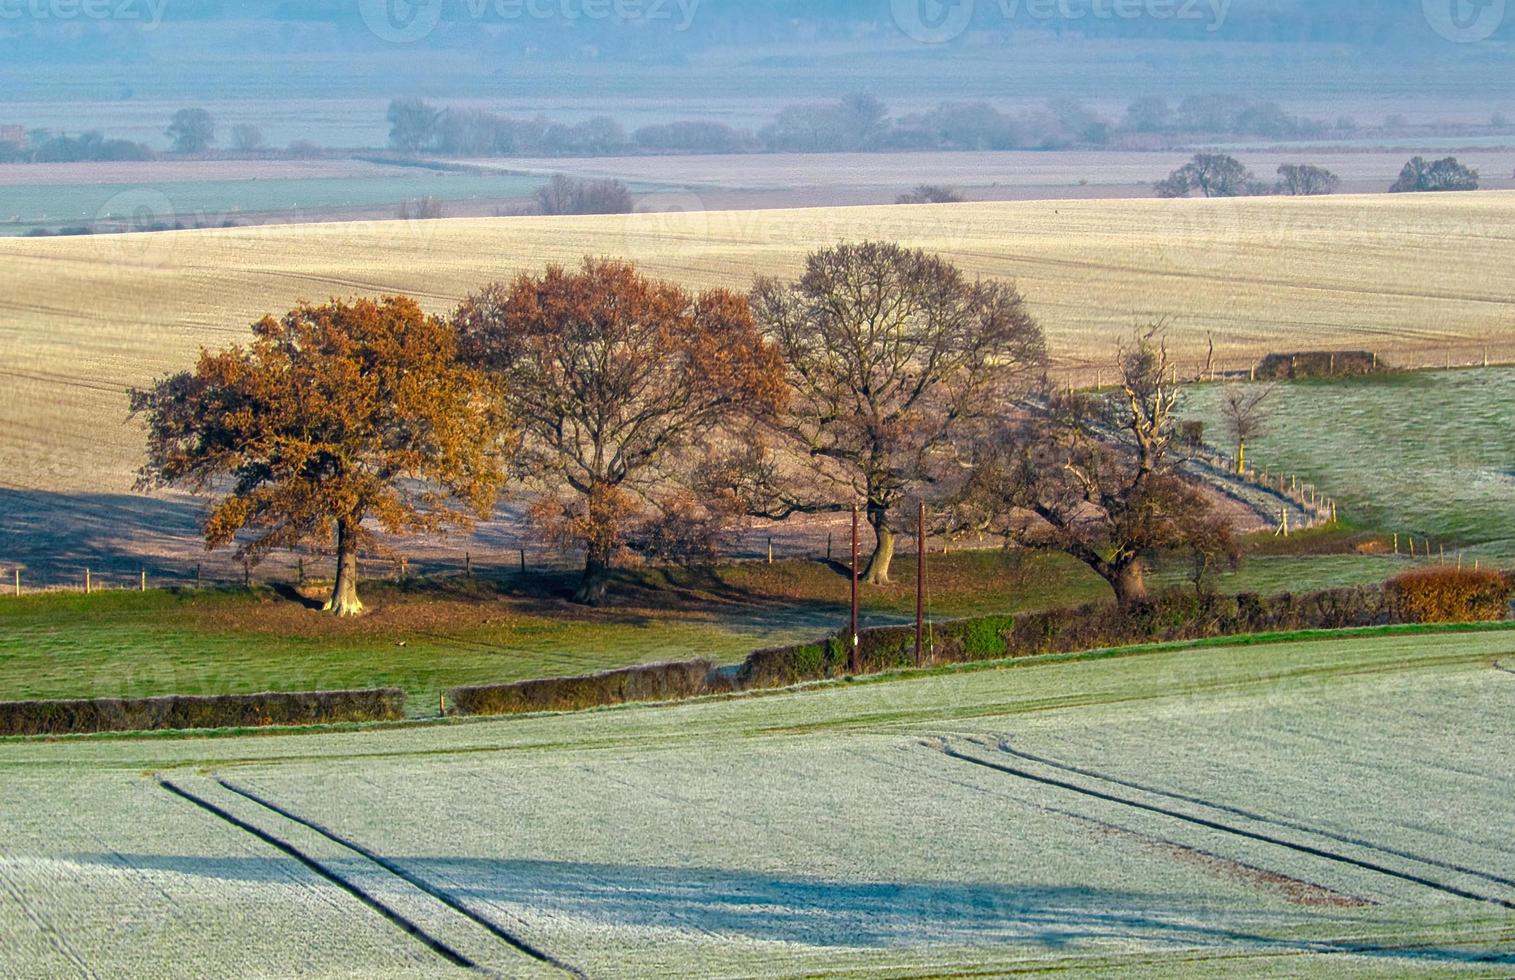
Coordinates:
[398,919]
[1503,668]
[1259,818]
[515,942]
[1208,824]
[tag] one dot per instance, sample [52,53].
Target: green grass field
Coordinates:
[1333,807]
[431,636]
[211,202]
[1429,454]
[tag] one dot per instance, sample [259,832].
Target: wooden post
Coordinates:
[442,703]
[1396,544]
[523,561]
[852,665]
[828,546]
[144,580]
[18,580]
[1285,512]
[86,582]
[246,574]
[920,588]
[467,565]
[301,570]
[770,549]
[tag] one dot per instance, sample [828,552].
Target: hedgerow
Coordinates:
[184,713]
[1175,615]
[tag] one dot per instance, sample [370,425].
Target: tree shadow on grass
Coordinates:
[823,913]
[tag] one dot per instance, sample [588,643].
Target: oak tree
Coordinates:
[618,382]
[893,356]
[1094,478]
[334,420]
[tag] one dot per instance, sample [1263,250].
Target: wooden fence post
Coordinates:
[18,580]
[144,580]
[87,584]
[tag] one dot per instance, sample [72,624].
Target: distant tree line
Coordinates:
[42,146]
[642,421]
[854,123]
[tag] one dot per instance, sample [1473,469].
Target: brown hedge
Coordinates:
[187,713]
[1450,595]
[650,682]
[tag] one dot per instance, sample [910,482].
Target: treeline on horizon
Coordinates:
[862,123]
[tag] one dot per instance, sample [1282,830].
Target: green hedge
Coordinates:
[1170,616]
[184,713]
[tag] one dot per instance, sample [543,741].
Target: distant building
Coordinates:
[13,134]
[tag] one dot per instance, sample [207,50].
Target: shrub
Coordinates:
[650,682]
[186,713]
[1318,364]
[1450,595]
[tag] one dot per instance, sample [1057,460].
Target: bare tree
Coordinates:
[1093,477]
[931,194]
[1245,410]
[1442,175]
[893,356]
[1304,180]
[1212,175]
[246,138]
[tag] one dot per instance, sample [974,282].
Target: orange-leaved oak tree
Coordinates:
[619,384]
[334,421]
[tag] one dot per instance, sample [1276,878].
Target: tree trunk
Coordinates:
[877,572]
[1241,459]
[594,586]
[1130,584]
[344,595]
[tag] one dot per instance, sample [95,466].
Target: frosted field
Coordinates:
[1337,806]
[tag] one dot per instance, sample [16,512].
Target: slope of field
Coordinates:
[429,636]
[1426,454]
[1253,811]
[1410,276]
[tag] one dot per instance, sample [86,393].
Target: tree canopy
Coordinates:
[892,356]
[335,417]
[1446,174]
[1095,478]
[618,381]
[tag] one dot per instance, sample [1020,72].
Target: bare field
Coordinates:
[989,175]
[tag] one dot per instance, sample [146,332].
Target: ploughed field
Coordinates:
[1330,806]
[84,319]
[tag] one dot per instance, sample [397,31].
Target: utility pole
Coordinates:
[920,588]
[852,658]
